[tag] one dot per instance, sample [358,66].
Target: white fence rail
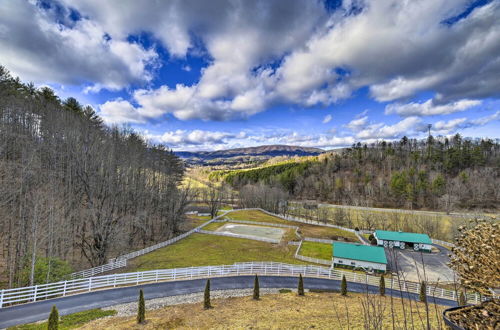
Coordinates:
[121,261]
[309,259]
[440,242]
[100,269]
[65,288]
[255,238]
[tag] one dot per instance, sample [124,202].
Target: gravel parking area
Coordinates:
[410,263]
[131,308]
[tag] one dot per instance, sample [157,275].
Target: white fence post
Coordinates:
[1,297]
[90,283]
[34,294]
[64,289]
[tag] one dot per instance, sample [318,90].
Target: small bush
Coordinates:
[141,309]
[423,294]
[53,323]
[285,291]
[343,286]
[461,299]
[206,298]
[300,288]
[382,286]
[256,288]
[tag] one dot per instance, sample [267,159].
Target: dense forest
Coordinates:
[74,192]
[436,173]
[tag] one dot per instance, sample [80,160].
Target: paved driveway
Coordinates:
[411,265]
[33,312]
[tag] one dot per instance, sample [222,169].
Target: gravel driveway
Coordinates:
[411,265]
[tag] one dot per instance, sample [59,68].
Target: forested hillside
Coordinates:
[73,189]
[436,173]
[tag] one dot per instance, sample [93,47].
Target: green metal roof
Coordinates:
[403,237]
[359,252]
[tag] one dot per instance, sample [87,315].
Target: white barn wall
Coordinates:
[359,263]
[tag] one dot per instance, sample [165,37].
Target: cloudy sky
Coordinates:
[204,75]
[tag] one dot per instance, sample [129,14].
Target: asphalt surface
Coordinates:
[411,265]
[37,311]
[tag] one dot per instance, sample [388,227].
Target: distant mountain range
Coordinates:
[260,153]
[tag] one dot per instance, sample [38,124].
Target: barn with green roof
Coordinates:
[368,258]
[402,240]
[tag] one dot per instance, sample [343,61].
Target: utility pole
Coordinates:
[429,126]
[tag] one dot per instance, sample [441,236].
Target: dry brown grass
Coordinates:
[279,311]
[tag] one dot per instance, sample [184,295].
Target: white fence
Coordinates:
[121,261]
[64,288]
[255,238]
[319,240]
[443,243]
[100,269]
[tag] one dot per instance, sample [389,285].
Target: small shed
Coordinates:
[415,241]
[369,258]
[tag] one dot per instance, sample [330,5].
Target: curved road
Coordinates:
[33,312]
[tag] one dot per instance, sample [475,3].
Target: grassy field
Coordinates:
[305,229]
[204,250]
[71,321]
[316,250]
[193,221]
[283,311]
[214,226]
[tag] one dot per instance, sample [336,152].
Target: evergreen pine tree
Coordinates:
[300,289]
[461,300]
[423,295]
[256,288]
[53,323]
[141,309]
[343,286]
[206,300]
[382,285]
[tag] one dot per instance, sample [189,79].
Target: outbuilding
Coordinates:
[369,258]
[402,240]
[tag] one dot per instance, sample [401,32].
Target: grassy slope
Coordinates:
[316,250]
[305,229]
[204,250]
[278,311]
[71,321]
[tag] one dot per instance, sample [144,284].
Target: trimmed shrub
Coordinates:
[141,309]
[256,288]
[461,299]
[382,286]
[343,286]
[206,299]
[423,294]
[53,323]
[300,288]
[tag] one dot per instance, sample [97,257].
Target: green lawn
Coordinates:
[70,321]
[306,230]
[316,250]
[204,250]
[214,225]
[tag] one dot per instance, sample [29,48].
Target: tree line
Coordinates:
[436,173]
[74,192]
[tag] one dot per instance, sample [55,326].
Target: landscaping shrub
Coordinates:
[300,289]
[382,286]
[423,295]
[53,323]
[343,286]
[206,299]
[256,288]
[461,299]
[141,308]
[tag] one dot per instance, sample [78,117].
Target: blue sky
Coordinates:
[198,75]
